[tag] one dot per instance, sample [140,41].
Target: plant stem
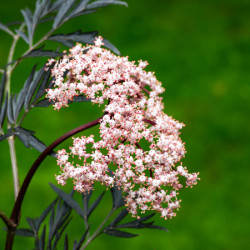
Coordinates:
[8,222]
[11,139]
[39,160]
[31,48]
[15,215]
[85,204]
[98,230]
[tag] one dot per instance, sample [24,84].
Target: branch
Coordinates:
[149,121]
[8,222]
[98,230]
[39,160]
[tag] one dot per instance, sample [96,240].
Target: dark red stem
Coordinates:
[149,121]
[17,206]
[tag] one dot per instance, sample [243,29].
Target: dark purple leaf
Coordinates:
[66,243]
[51,222]
[59,234]
[119,217]
[81,37]
[41,90]
[45,213]
[42,239]
[10,111]
[43,53]
[24,37]
[3,110]
[79,8]
[118,233]
[95,204]
[5,136]
[5,28]
[24,232]
[79,244]
[2,87]
[37,78]
[68,200]
[64,9]
[29,140]
[101,3]
[136,225]
[84,12]
[158,227]
[118,200]
[110,46]
[32,223]
[44,103]
[23,93]
[28,21]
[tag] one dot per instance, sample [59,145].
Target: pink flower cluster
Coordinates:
[139,142]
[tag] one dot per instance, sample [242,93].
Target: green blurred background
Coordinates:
[200,50]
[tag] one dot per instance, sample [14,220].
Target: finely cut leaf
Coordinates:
[79,8]
[78,245]
[32,224]
[44,103]
[119,217]
[158,227]
[51,222]
[58,235]
[43,53]
[6,29]
[101,3]
[42,239]
[110,46]
[118,200]
[62,12]
[24,232]
[47,102]
[45,213]
[118,233]
[95,204]
[29,140]
[81,37]
[5,136]
[136,225]
[37,78]
[24,37]
[23,93]
[78,36]
[3,110]
[68,200]
[55,6]
[66,243]
[10,111]
[41,90]
[2,87]
[144,218]
[28,21]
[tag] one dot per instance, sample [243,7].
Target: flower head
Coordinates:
[147,171]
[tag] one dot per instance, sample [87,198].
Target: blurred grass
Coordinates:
[200,50]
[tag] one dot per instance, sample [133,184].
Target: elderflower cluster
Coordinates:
[139,143]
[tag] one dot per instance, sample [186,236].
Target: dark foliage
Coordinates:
[60,216]
[59,11]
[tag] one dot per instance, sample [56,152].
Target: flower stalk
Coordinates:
[15,215]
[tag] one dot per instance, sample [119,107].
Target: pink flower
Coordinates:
[134,113]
